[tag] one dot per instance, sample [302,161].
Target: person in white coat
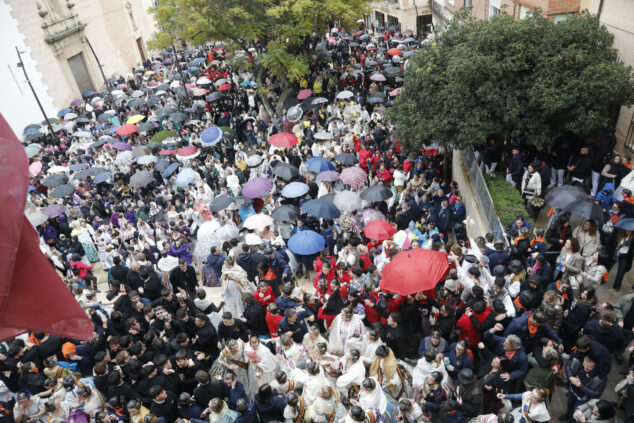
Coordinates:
[345,326]
[353,372]
[531,186]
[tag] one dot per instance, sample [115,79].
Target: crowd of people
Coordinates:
[272,210]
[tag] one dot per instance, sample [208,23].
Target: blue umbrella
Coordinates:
[102,177]
[295,189]
[245,83]
[196,61]
[79,166]
[62,112]
[88,94]
[319,164]
[321,208]
[408,53]
[185,177]
[211,136]
[170,169]
[306,243]
[30,131]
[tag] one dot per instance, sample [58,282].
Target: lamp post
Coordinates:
[21,65]
[103,75]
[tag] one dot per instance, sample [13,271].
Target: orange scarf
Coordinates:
[518,239]
[509,354]
[564,295]
[532,329]
[536,240]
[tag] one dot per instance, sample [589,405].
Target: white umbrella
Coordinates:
[137,94]
[227,232]
[203,81]
[70,116]
[203,247]
[174,84]
[348,201]
[345,94]
[125,157]
[167,263]
[208,229]
[37,218]
[117,92]
[323,135]
[82,134]
[258,221]
[253,239]
[57,169]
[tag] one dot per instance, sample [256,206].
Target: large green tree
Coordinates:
[285,32]
[507,78]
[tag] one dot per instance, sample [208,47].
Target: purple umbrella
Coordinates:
[54,210]
[121,146]
[167,61]
[256,187]
[77,102]
[328,176]
[114,129]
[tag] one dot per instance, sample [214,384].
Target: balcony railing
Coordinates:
[62,28]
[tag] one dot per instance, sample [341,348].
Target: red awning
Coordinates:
[32,295]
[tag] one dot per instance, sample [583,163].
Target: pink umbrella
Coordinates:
[370,215]
[395,92]
[256,187]
[353,176]
[187,152]
[167,152]
[152,84]
[304,94]
[190,85]
[283,139]
[35,168]
[127,129]
[199,91]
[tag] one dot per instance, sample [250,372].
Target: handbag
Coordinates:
[537,202]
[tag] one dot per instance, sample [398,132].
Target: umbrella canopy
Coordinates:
[163,135]
[321,208]
[328,176]
[135,119]
[147,159]
[211,136]
[319,100]
[141,150]
[124,157]
[586,208]
[394,52]
[224,87]
[347,201]
[379,230]
[346,159]
[256,187]
[37,218]
[319,164]
[344,95]
[187,153]
[295,189]
[294,113]
[353,176]
[35,168]
[376,193]
[82,174]
[54,210]
[254,161]
[127,129]
[285,213]
[220,203]
[562,196]
[379,77]
[185,177]
[370,215]
[414,271]
[141,179]
[169,170]
[227,232]
[62,191]
[122,146]
[253,239]
[54,180]
[102,177]
[215,96]
[306,243]
[285,171]
[305,93]
[283,139]
[258,222]
[146,127]
[626,224]
[178,117]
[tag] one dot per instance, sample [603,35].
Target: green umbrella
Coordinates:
[163,135]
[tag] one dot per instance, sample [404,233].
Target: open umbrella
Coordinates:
[62,191]
[215,96]
[146,127]
[122,146]
[141,150]
[294,113]
[169,170]
[258,221]
[626,224]
[253,239]
[347,201]
[254,160]
[54,180]
[413,271]
[562,196]
[285,213]
[346,159]
[285,171]
[586,208]
[220,203]
[178,117]
[394,52]
[102,177]
[185,177]
[295,189]
[227,232]
[283,139]
[211,136]
[376,193]
[306,243]
[305,93]
[135,119]
[321,208]
[370,215]
[379,230]
[379,77]
[345,94]
[37,218]
[82,174]
[319,164]
[163,135]
[35,168]
[54,210]
[127,129]
[146,160]
[208,229]
[224,87]
[124,157]
[323,135]
[187,153]
[141,179]
[256,187]
[353,176]
[328,176]
[319,100]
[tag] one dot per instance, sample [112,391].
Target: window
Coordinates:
[494,7]
[467,3]
[524,11]
[561,17]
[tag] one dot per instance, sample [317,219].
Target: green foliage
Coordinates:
[506,78]
[507,200]
[288,30]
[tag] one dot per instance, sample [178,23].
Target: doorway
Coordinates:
[139,44]
[80,73]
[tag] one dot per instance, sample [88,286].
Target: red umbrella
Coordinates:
[283,139]
[304,94]
[414,271]
[394,52]
[128,129]
[187,151]
[224,87]
[167,152]
[32,295]
[379,230]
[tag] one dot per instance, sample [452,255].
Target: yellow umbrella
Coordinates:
[135,119]
[149,72]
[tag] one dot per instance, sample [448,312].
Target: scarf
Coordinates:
[509,354]
[536,240]
[563,294]
[532,328]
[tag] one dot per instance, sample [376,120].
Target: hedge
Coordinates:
[507,200]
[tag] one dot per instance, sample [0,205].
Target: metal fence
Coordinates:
[482,195]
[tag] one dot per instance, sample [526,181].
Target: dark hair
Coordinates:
[607,409]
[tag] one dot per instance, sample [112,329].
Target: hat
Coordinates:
[451,285]
[467,377]
[515,266]
[470,258]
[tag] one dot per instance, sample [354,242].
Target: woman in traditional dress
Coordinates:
[427,365]
[219,412]
[85,234]
[344,327]
[261,361]
[390,376]
[289,353]
[372,396]
[232,358]
[327,408]
[234,284]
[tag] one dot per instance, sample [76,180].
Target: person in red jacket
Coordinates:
[364,157]
[384,174]
[273,319]
[83,271]
[264,295]
[467,330]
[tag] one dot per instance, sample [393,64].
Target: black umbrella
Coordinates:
[94,171]
[104,117]
[392,72]
[374,100]
[215,96]
[141,179]
[164,111]
[178,117]
[136,102]
[34,136]
[162,87]
[146,127]
[62,191]
[562,196]
[162,163]
[82,174]
[290,102]
[220,203]
[346,159]
[285,171]
[376,193]
[285,213]
[586,208]
[152,101]
[55,180]
[82,120]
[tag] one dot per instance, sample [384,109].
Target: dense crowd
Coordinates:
[295,217]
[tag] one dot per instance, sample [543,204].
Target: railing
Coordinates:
[482,195]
